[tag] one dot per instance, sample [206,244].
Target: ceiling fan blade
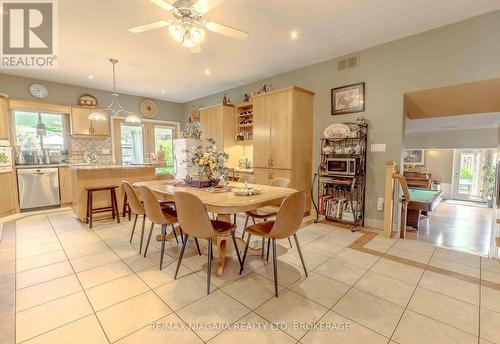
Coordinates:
[203,6]
[164,4]
[195,50]
[151,26]
[226,30]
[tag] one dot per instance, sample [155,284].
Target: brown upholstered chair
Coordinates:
[287,223]
[136,207]
[267,212]
[163,176]
[157,215]
[195,222]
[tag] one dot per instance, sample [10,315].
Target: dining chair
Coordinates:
[136,207]
[286,224]
[163,176]
[194,221]
[267,212]
[158,215]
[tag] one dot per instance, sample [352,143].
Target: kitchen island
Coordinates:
[86,176]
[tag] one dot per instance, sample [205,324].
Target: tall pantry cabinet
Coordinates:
[282,140]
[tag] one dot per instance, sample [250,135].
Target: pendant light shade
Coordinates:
[132,119]
[98,116]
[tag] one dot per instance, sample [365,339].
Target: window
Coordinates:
[132,142]
[164,138]
[27,138]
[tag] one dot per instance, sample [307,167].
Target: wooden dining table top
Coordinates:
[221,202]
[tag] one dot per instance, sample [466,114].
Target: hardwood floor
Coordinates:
[459,227]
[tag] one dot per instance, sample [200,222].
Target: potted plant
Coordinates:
[488,183]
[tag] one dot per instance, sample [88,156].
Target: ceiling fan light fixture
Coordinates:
[188,41]
[197,34]
[177,32]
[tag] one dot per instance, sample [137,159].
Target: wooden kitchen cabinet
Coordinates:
[4,119]
[217,122]
[65,188]
[8,185]
[282,142]
[82,126]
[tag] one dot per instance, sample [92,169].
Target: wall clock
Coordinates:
[149,108]
[38,91]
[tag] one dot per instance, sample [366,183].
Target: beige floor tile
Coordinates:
[415,246]
[155,278]
[408,254]
[126,317]
[445,309]
[490,329]
[291,308]
[415,329]
[93,260]
[357,258]
[40,240]
[373,312]
[20,235]
[183,291]
[231,272]
[243,332]
[251,290]
[83,331]
[85,250]
[320,289]
[139,262]
[170,329]
[346,331]
[37,320]
[41,260]
[464,291]
[455,267]
[108,294]
[8,330]
[36,250]
[325,248]
[377,247]
[126,251]
[209,310]
[490,276]
[458,257]
[287,273]
[490,298]
[47,291]
[405,273]
[312,259]
[340,271]
[102,274]
[78,239]
[385,287]
[490,264]
[341,237]
[42,274]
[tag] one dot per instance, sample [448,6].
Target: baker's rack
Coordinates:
[346,191]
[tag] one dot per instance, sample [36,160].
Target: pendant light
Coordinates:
[115,108]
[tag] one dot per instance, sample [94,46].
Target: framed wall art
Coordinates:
[414,156]
[348,99]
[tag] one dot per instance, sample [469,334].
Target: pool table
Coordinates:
[421,202]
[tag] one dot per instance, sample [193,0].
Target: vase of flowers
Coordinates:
[210,164]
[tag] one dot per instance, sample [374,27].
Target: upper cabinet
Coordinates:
[4,119]
[82,126]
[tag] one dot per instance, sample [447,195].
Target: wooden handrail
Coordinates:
[404,186]
[393,174]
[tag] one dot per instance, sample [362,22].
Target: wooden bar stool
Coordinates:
[113,208]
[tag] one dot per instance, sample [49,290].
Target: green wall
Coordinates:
[462,52]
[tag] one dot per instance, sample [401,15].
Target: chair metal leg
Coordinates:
[179,260]
[182,234]
[175,233]
[275,268]
[300,253]
[290,242]
[209,268]
[253,220]
[149,238]
[263,249]
[236,247]
[245,226]
[164,232]
[234,216]
[268,248]
[142,232]
[197,246]
[245,253]
[133,228]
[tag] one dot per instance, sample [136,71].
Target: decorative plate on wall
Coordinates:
[337,131]
[149,108]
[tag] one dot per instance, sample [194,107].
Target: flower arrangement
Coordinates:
[209,161]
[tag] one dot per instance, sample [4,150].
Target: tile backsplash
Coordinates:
[80,145]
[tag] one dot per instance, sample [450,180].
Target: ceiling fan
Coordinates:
[188,28]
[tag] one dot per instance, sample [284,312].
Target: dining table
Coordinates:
[221,201]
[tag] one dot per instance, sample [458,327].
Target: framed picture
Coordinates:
[414,156]
[348,99]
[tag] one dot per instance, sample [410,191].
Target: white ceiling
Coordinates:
[462,122]
[91,31]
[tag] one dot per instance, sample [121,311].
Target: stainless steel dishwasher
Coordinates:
[38,187]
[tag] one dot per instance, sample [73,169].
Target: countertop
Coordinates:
[109,167]
[47,165]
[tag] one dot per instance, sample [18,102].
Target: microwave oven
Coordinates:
[341,166]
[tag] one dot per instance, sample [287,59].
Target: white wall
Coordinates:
[474,138]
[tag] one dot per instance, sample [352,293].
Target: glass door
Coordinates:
[164,139]
[470,168]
